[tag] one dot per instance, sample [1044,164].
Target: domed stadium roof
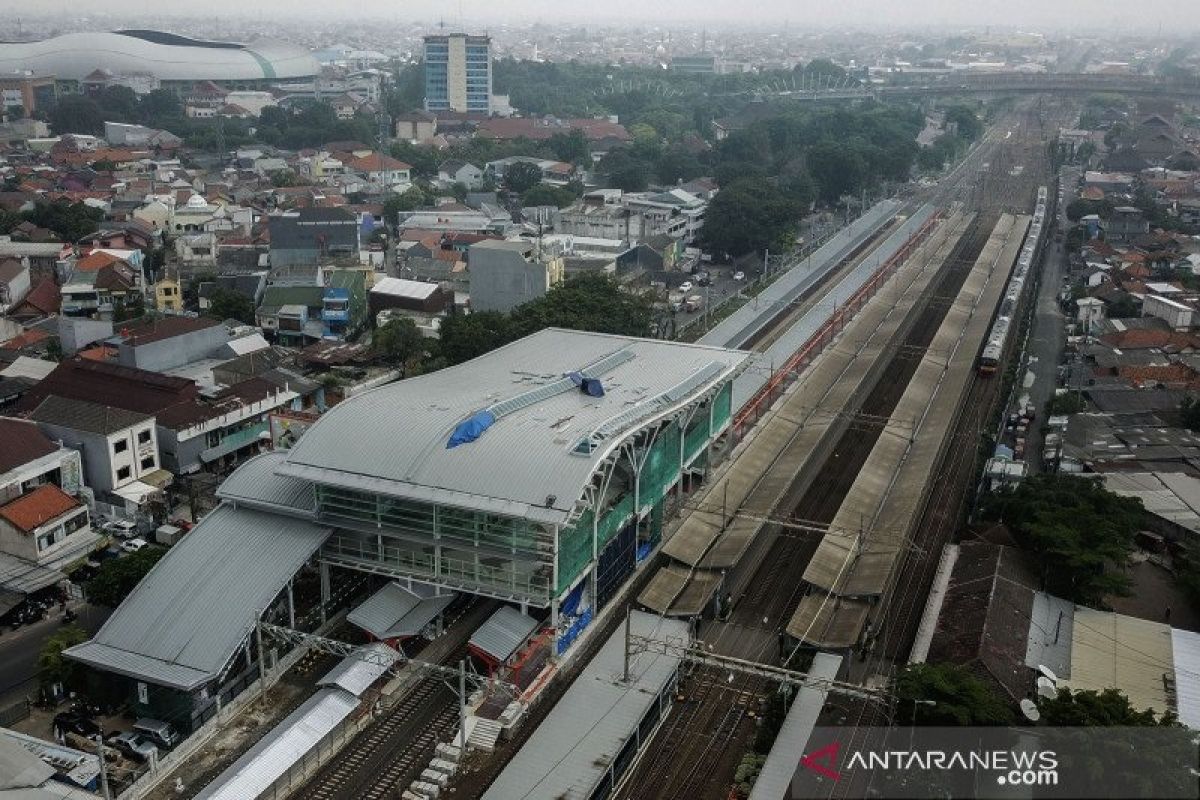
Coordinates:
[169,57]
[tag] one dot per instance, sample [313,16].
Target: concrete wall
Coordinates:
[93,449]
[501,280]
[175,351]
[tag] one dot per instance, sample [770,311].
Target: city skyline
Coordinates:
[1169,16]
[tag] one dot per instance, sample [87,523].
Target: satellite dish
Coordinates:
[1049,673]
[1030,710]
[1046,688]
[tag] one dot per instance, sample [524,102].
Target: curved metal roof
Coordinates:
[529,463]
[74,56]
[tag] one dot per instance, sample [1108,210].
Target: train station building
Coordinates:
[540,474]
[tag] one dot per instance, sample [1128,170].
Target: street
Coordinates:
[1047,336]
[19,649]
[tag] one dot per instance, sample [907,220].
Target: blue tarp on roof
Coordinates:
[471,428]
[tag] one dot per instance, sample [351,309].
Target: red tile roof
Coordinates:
[45,298]
[34,509]
[29,337]
[531,128]
[94,261]
[23,442]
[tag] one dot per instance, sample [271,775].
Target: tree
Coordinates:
[968,124]
[544,195]
[71,221]
[838,169]
[522,176]
[750,215]
[53,668]
[282,178]
[226,304]
[411,200]
[585,302]
[116,577]
[1081,532]
[75,113]
[465,336]
[1091,709]
[571,147]
[161,106]
[948,694]
[119,103]
[399,342]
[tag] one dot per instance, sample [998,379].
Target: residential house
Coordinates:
[452,172]
[168,295]
[505,274]
[312,236]
[416,126]
[119,448]
[44,525]
[165,343]
[1126,223]
[194,430]
[343,304]
[97,293]
[285,312]
[14,283]
[382,170]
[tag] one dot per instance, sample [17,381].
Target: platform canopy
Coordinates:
[396,612]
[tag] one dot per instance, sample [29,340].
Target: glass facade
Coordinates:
[458,73]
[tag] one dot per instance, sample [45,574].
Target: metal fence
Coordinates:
[13,714]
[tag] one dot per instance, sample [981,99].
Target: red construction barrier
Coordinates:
[781,378]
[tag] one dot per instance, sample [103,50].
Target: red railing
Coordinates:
[782,377]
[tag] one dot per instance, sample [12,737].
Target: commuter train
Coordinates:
[1002,326]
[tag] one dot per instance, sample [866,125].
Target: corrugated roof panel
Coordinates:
[782,762]
[1185,655]
[197,605]
[282,747]
[573,747]
[356,672]
[1051,628]
[1116,651]
[504,632]
[255,483]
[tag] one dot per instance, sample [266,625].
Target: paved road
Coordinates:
[1047,336]
[19,650]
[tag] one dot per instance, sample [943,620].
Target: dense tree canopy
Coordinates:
[1080,532]
[226,304]
[400,342]
[53,668]
[749,216]
[522,176]
[71,221]
[116,577]
[586,302]
[947,694]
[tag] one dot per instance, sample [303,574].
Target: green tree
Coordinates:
[968,124]
[522,176]
[399,342]
[282,178]
[161,107]
[119,103]
[571,147]
[544,195]
[71,221]
[226,304]
[75,113]
[116,577]
[1080,532]
[948,694]
[1096,709]
[586,302]
[53,668]
[465,336]
[749,216]
[411,200]
[838,169]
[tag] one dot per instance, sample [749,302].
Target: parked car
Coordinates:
[133,545]
[161,733]
[69,721]
[703,279]
[182,524]
[134,745]
[739,276]
[121,528]
[685,287]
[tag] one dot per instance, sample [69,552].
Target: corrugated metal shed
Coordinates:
[503,633]
[1185,653]
[288,742]
[395,611]
[356,672]
[256,484]
[526,463]
[399,287]
[1116,651]
[577,742]
[1172,496]
[782,762]
[1051,629]
[19,575]
[191,613]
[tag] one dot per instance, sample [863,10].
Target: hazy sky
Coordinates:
[1173,16]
